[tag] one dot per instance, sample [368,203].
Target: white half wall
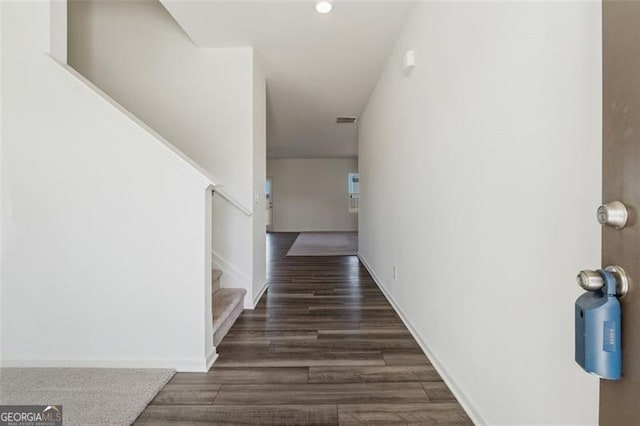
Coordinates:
[311,194]
[479,177]
[200,99]
[106,228]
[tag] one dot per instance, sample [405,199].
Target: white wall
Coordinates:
[480,173]
[1,175]
[311,194]
[259,178]
[58,30]
[199,99]
[105,227]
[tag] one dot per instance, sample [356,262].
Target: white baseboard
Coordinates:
[258,295]
[196,365]
[211,358]
[473,414]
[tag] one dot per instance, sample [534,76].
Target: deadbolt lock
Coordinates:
[613,214]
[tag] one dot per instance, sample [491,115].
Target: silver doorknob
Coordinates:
[613,214]
[592,280]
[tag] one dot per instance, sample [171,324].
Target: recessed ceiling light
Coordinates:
[323,7]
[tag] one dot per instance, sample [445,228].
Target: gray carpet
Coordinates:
[325,244]
[228,304]
[89,396]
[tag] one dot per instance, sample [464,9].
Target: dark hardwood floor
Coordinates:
[322,347]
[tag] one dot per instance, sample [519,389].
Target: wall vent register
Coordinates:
[346,120]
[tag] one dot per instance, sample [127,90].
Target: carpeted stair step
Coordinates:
[228,304]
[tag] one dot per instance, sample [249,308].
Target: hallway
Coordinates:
[323,346]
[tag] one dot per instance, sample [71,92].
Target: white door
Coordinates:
[268,204]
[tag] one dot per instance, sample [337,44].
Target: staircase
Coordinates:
[228,304]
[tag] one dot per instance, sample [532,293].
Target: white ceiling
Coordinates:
[318,66]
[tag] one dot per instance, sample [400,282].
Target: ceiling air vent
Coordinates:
[346,120]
